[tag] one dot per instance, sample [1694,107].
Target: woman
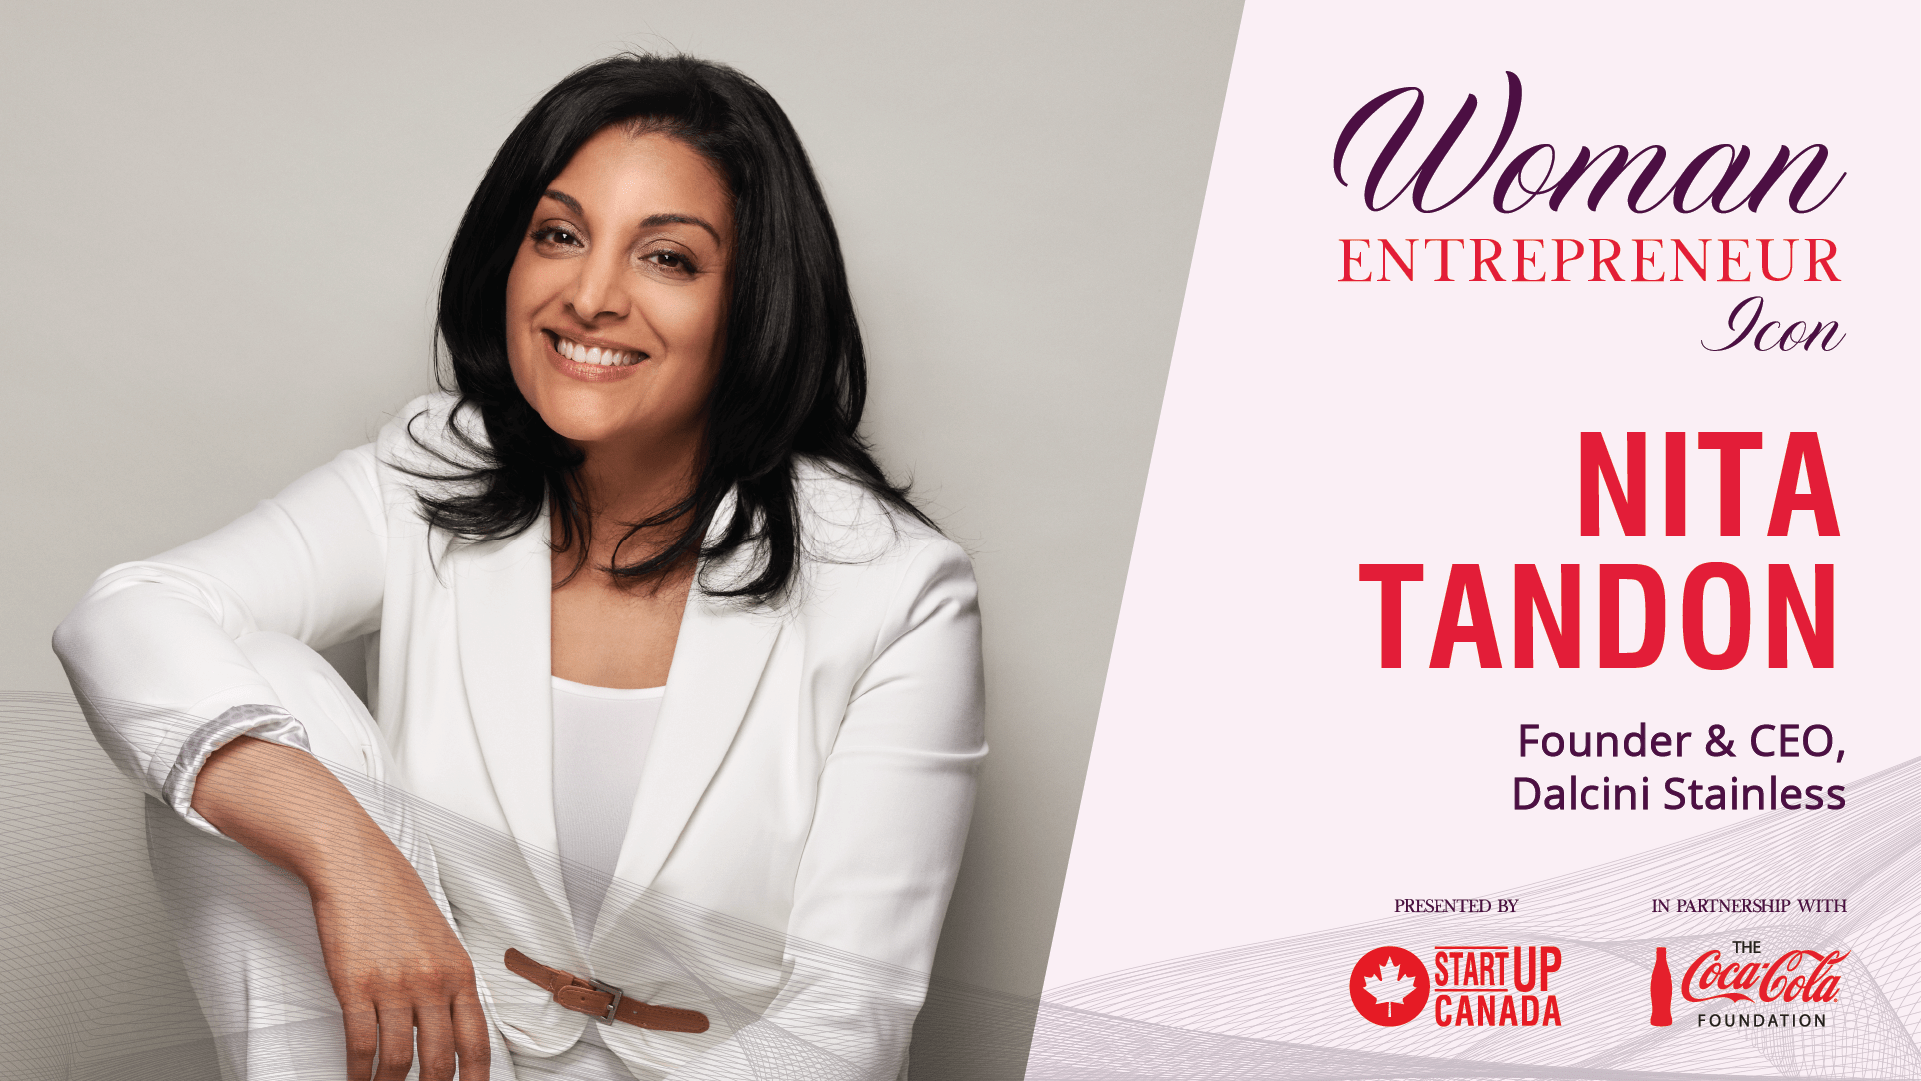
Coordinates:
[647,476]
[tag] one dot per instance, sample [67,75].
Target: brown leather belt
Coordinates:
[603,1002]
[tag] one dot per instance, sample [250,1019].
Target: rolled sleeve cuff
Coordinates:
[269,723]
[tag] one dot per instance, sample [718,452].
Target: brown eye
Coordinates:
[671,261]
[553,234]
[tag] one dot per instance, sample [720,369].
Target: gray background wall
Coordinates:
[223,223]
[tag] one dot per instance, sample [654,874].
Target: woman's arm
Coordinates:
[897,792]
[890,821]
[153,654]
[394,963]
[152,649]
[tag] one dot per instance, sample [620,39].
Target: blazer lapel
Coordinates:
[718,660]
[503,610]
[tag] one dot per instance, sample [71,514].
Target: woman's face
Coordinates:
[618,295]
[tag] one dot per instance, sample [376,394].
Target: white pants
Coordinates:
[246,928]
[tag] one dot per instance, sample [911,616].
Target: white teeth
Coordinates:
[605,358]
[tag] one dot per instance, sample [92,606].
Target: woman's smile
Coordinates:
[591,359]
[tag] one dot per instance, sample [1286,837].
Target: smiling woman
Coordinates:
[614,333]
[640,602]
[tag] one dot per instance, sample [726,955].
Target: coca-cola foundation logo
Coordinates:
[1796,976]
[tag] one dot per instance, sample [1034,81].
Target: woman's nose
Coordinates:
[597,292]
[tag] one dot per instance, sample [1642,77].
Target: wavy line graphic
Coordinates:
[1280,1009]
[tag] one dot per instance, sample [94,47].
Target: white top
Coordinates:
[601,737]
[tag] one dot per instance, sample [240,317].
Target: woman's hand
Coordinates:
[394,962]
[398,969]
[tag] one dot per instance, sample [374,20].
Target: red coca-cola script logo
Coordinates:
[1389,986]
[1795,976]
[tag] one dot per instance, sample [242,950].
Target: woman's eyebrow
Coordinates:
[564,199]
[679,219]
[649,222]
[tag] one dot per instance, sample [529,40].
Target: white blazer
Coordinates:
[812,771]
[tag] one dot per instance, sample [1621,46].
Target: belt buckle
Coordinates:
[612,1007]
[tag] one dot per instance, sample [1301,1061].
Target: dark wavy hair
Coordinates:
[793,376]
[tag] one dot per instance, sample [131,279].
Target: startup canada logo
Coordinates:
[1805,977]
[1494,986]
